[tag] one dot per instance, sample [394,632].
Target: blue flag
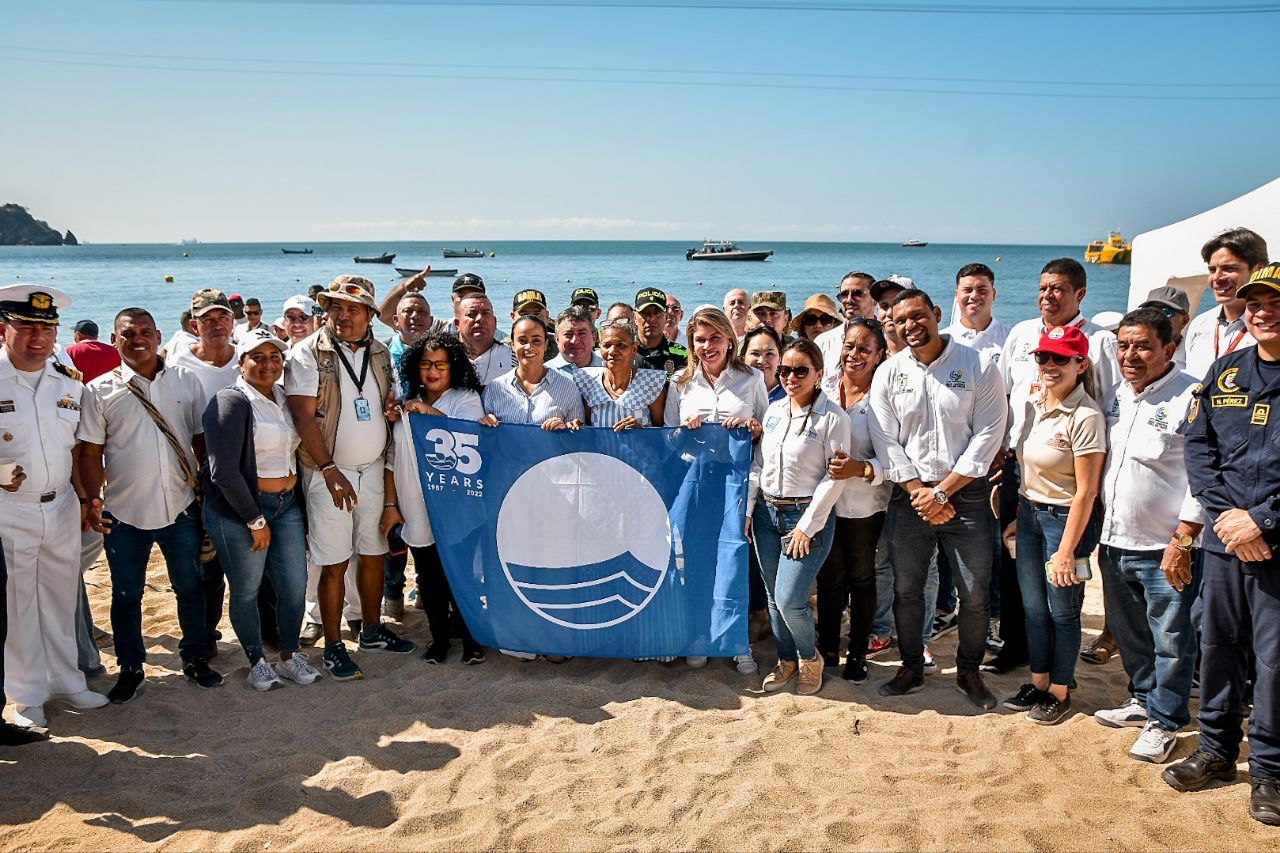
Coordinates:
[591,543]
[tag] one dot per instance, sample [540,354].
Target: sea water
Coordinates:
[101,279]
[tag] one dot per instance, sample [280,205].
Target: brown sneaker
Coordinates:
[780,677]
[810,681]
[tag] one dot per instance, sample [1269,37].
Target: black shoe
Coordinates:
[201,673]
[1050,710]
[128,685]
[1027,697]
[380,638]
[904,681]
[970,684]
[855,670]
[1264,801]
[437,652]
[472,654]
[355,626]
[1001,664]
[830,660]
[1197,770]
[18,736]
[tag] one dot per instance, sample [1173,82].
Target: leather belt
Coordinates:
[785,502]
[33,497]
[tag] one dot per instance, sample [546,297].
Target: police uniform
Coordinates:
[1233,461]
[40,522]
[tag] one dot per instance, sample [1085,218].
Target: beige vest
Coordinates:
[329,403]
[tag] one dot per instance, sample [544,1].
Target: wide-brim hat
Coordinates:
[818,304]
[348,288]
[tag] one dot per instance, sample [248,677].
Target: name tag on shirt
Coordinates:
[363,412]
[7,406]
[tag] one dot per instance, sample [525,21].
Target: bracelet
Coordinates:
[328,466]
[83,501]
[390,505]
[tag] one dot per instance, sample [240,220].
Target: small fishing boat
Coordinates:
[724,250]
[1115,250]
[915,244]
[409,273]
[297,251]
[463,253]
[384,258]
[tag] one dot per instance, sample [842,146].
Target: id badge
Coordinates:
[362,409]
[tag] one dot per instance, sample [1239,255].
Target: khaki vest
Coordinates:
[330,407]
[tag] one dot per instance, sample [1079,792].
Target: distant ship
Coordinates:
[463,253]
[915,244]
[297,251]
[410,273]
[191,241]
[1114,251]
[725,250]
[384,258]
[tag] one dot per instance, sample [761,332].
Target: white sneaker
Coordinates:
[263,677]
[297,669]
[519,655]
[85,700]
[745,664]
[29,716]
[930,666]
[696,662]
[1154,744]
[1131,713]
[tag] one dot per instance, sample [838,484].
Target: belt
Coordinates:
[785,502]
[33,497]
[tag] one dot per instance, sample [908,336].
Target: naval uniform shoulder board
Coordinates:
[69,372]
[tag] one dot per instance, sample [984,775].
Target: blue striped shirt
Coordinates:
[555,397]
[646,387]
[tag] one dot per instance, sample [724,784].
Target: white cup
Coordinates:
[6,471]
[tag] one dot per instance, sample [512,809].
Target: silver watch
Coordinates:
[941,497]
[258,523]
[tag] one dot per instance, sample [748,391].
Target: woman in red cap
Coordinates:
[1061,449]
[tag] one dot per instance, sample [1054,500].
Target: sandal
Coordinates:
[1100,650]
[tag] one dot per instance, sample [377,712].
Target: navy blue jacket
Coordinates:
[1233,446]
[230,477]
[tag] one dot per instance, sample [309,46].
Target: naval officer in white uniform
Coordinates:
[40,516]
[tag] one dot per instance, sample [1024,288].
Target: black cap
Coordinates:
[468,281]
[878,289]
[651,296]
[584,294]
[87,328]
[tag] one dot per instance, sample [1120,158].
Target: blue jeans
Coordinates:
[966,539]
[1052,613]
[1151,622]
[284,561]
[789,581]
[128,549]
[393,577]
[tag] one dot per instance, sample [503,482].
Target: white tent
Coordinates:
[1171,255]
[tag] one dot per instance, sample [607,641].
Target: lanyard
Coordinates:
[1235,342]
[346,365]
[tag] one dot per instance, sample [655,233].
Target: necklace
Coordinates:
[614,390]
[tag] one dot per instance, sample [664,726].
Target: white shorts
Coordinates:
[334,534]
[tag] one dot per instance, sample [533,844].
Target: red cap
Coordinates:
[235,297]
[1064,340]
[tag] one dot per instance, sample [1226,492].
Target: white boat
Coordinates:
[725,250]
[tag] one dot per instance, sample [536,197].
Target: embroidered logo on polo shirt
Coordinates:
[1227,380]
[771,422]
[1160,421]
[956,379]
[901,384]
[1059,440]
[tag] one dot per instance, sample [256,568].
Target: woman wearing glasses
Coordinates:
[762,349]
[820,315]
[716,387]
[1061,449]
[848,577]
[793,494]
[617,395]
[441,381]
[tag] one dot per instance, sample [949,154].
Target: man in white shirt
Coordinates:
[1174,304]
[150,493]
[1232,257]
[576,340]
[974,324]
[675,313]
[338,382]
[855,301]
[737,307]
[476,326]
[939,419]
[1150,578]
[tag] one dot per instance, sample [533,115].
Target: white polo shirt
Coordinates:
[1146,472]
[1209,337]
[989,342]
[931,419]
[497,360]
[145,487]
[861,499]
[1021,374]
[738,392]
[831,344]
[791,459]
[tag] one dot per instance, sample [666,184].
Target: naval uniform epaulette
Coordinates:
[69,372]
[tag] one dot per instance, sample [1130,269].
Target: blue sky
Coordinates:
[293,121]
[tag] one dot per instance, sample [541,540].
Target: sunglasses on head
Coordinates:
[800,372]
[348,289]
[1169,311]
[1060,360]
[870,323]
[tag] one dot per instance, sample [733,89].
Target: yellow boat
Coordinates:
[1116,250]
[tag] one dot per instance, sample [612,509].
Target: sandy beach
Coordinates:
[589,755]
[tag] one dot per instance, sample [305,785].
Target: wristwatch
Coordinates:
[258,523]
[1182,541]
[940,497]
[868,473]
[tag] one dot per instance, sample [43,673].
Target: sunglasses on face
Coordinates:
[822,319]
[800,372]
[1060,360]
[852,294]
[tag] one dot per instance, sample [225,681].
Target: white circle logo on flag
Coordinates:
[570,551]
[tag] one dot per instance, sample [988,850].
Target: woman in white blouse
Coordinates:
[848,577]
[441,381]
[793,494]
[531,393]
[251,512]
[618,395]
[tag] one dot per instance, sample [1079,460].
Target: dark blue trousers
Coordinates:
[1241,612]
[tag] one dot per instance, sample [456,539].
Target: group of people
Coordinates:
[923,476]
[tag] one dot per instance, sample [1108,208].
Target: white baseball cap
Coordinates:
[251,340]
